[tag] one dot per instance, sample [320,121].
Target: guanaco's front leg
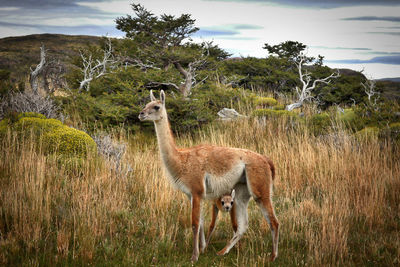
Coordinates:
[212,224]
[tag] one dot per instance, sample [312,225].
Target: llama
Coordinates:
[207,172]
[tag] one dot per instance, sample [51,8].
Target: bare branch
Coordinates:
[39,68]
[95,69]
[305,93]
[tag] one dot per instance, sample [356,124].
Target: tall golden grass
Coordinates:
[337,199]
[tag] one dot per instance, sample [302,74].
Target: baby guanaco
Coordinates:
[225,204]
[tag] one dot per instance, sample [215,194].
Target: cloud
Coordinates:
[341,48]
[386,33]
[226,30]
[374,18]
[391,60]
[204,32]
[79,29]
[320,3]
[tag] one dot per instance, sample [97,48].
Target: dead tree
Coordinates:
[370,89]
[34,75]
[93,69]
[308,85]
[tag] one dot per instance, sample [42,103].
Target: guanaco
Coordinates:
[207,172]
[225,204]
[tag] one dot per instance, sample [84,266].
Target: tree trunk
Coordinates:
[293,106]
[186,87]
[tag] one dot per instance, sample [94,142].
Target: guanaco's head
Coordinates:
[227,201]
[155,110]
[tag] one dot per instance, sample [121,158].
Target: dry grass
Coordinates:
[337,200]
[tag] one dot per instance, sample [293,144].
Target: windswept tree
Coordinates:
[159,42]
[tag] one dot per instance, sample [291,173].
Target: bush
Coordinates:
[279,107]
[273,113]
[368,133]
[31,115]
[265,102]
[57,137]
[320,123]
[69,141]
[350,118]
[392,132]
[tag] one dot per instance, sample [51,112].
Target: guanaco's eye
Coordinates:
[231,202]
[156,107]
[222,203]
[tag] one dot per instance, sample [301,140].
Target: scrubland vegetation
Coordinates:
[81,182]
[336,197]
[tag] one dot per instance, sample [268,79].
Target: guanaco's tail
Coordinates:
[272,167]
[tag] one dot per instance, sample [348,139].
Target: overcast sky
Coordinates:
[355,34]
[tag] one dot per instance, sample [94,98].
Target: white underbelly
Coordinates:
[216,185]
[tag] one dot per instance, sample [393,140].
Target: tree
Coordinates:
[370,89]
[308,84]
[290,50]
[164,41]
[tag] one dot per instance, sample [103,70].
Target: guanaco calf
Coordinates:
[225,204]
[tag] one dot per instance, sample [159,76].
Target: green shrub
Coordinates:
[37,125]
[4,123]
[273,113]
[57,137]
[279,107]
[367,133]
[392,132]
[265,102]
[350,118]
[320,123]
[69,141]
[31,115]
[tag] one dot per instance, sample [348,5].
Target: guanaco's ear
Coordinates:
[152,96]
[233,193]
[162,96]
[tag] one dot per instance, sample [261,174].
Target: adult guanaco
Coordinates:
[207,172]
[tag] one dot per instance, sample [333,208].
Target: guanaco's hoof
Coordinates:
[195,258]
[273,257]
[221,252]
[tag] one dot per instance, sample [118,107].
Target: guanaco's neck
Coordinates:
[166,141]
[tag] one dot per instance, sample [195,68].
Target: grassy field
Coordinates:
[337,199]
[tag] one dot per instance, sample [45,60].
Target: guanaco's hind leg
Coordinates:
[260,184]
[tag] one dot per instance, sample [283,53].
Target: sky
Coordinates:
[363,35]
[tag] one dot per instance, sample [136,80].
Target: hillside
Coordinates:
[18,54]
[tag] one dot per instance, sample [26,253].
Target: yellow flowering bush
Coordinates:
[57,137]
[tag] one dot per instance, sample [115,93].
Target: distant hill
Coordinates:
[397,80]
[18,54]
